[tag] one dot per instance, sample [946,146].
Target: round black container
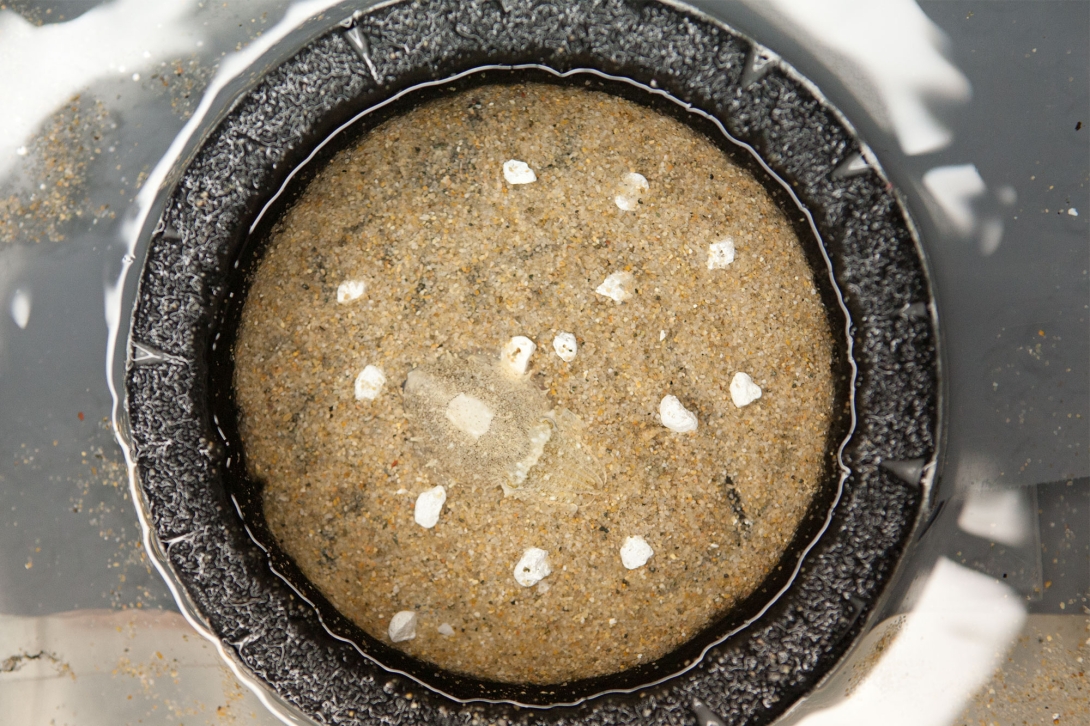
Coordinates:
[206,514]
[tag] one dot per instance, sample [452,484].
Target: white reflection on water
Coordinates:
[957,189]
[948,646]
[43,67]
[998,515]
[890,55]
[20,307]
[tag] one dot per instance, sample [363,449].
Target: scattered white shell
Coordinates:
[533,567]
[350,290]
[518,172]
[675,416]
[617,286]
[428,506]
[635,552]
[720,254]
[662,335]
[743,391]
[516,354]
[633,186]
[565,346]
[369,382]
[1073,212]
[21,151]
[470,415]
[445,629]
[402,626]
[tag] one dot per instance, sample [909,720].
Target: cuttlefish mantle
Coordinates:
[482,425]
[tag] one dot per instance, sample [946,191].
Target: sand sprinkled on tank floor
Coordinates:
[440,261]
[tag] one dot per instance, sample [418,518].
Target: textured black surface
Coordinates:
[750,678]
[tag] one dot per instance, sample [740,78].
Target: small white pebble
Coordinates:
[675,416]
[21,151]
[136,76]
[533,567]
[350,290]
[445,629]
[1073,212]
[403,626]
[633,186]
[743,391]
[720,254]
[612,622]
[635,552]
[428,506]
[518,172]
[516,354]
[470,415]
[617,287]
[369,382]
[662,335]
[565,346]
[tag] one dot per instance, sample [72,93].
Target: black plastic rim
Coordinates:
[186,450]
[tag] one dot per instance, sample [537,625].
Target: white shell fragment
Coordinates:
[518,172]
[350,290]
[402,626]
[743,391]
[633,186]
[470,415]
[446,629]
[428,506]
[720,254]
[533,567]
[565,346]
[617,287]
[516,354]
[675,416]
[369,382]
[635,552]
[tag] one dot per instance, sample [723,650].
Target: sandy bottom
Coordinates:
[454,261]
